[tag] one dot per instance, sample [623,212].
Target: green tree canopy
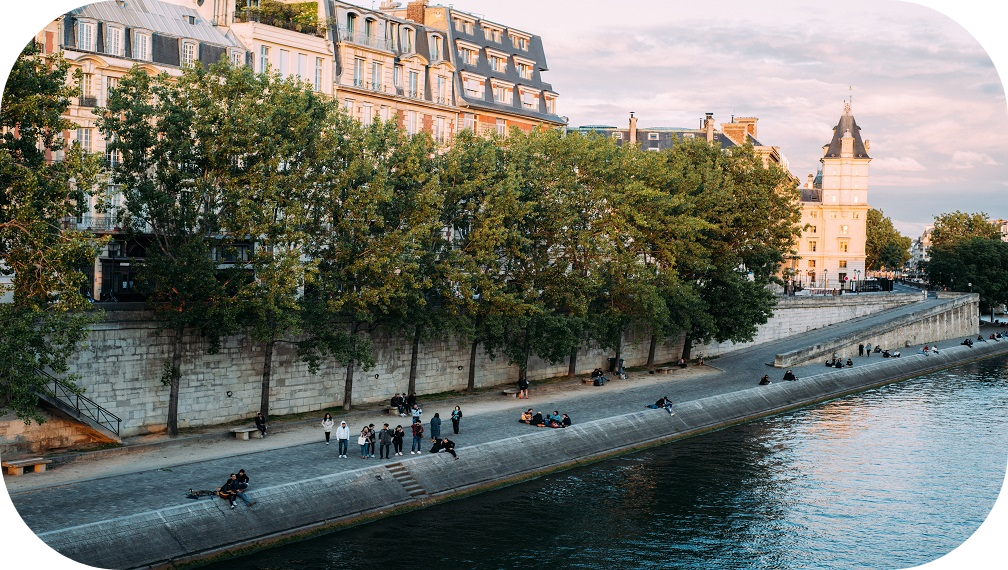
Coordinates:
[958,226]
[885,248]
[975,265]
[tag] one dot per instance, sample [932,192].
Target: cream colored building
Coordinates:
[831,249]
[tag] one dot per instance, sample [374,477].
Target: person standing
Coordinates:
[327,425]
[416,412]
[343,439]
[456,418]
[372,436]
[362,440]
[417,437]
[868,350]
[397,438]
[384,441]
[860,349]
[523,386]
[435,426]
[260,423]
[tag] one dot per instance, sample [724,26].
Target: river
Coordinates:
[889,478]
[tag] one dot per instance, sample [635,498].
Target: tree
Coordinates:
[977,265]
[885,248]
[46,318]
[960,226]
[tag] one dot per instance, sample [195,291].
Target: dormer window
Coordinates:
[237,57]
[520,41]
[617,135]
[468,54]
[407,43]
[351,24]
[85,35]
[188,53]
[463,25]
[436,51]
[141,45]
[497,63]
[652,136]
[114,41]
[524,69]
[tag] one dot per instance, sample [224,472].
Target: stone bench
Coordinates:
[513,392]
[392,411]
[15,468]
[662,370]
[244,432]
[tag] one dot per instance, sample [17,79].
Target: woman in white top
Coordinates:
[327,425]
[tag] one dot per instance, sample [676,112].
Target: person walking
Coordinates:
[362,440]
[384,441]
[868,350]
[327,425]
[435,426]
[372,435]
[343,439]
[417,438]
[456,418]
[397,438]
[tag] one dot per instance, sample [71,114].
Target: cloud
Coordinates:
[899,164]
[967,159]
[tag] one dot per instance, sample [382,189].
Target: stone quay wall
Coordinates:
[121,365]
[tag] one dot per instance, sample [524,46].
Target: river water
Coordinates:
[889,478]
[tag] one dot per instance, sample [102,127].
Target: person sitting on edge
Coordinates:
[885,353]
[526,417]
[260,423]
[981,338]
[232,489]
[666,403]
[682,362]
[830,363]
[566,421]
[850,363]
[896,354]
[764,380]
[877,349]
[399,403]
[555,417]
[839,363]
[449,446]
[790,375]
[537,420]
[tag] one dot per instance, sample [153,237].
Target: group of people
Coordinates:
[663,403]
[789,376]
[404,404]
[234,488]
[598,377]
[554,420]
[838,362]
[387,440]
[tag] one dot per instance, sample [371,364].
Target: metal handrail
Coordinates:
[84,405]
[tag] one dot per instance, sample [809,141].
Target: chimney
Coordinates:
[708,125]
[633,128]
[415,11]
[811,181]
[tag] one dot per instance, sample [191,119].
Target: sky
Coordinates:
[924,90]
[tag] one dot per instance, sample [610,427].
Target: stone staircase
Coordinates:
[406,479]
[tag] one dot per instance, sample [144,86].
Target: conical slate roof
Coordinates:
[846,123]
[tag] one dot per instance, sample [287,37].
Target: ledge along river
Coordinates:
[888,478]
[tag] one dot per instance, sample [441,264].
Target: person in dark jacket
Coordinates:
[537,420]
[397,439]
[764,380]
[435,426]
[790,375]
[449,446]
[384,441]
[566,421]
[232,489]
[242,479]
[260,423]
[456,418]
[523,386]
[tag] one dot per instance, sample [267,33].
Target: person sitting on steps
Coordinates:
[764,380]
[790,375]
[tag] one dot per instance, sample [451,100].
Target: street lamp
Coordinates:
[825,279]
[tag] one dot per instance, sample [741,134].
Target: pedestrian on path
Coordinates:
[372,435]
[416,412]
[362,440]
[435,426]
[327,425]
[523,386]
[343,439]
[397,437]
[860,349]
[868,349]
[384,441]
[260,423]
[456,418]
[417,438]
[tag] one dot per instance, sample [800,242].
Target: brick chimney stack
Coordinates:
[415,11]
[708,125]
[633,128]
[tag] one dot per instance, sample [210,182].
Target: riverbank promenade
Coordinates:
[153,473]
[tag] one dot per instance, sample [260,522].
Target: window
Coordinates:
[530,100]
[501,127]
[435,48]
[492,34]
[521,42]
[318,73]
[348,106]
[442,90]
[503,94]
[358,72]
[110,84]
[652,136]
[525,70]
[84,138]
[113,41]
[473,88]
[376,76]
[411,122]
[469,121]
[112,158]
[86,36]
[843,229]
[843,264]
[414,82]
[188,53]
[142,46]
[856,215]
[302,66]
[263,58]
[87,96]
[385,110]
[351,24]
[813,214]
[497,63]
[617,135]
[811,245]
[468,55]
[458,24]
[811,264]
[843,247]
[237,58]
[812,229]
[551,105]
[284,56]
[367,114]
[397,76]
[832,215]
[408,40]
[369,30]
[440,129]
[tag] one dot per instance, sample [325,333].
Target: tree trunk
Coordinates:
[266,375]
[348,387]
[175,383]
[523,365]
[572,366]
[472,367]
[651,351]
[619,353]
[413,360]
[687,347]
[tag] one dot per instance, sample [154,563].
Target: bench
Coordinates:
[392,411]
[587,380]
[663,370]
[244,432]
[15,468]
[513,392]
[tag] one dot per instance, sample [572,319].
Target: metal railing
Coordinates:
[83,405]
[361,38]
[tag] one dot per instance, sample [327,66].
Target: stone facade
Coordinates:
[57,432]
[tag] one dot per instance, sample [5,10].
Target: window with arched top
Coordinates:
[351,23]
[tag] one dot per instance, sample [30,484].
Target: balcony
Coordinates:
[360,38]
[301,17]
[88,101]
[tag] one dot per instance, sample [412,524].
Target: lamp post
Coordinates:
[825,279]
[857,273]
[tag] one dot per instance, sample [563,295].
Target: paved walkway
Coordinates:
[155,472]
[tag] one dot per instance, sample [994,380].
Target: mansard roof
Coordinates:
[158,17]
[846,123]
